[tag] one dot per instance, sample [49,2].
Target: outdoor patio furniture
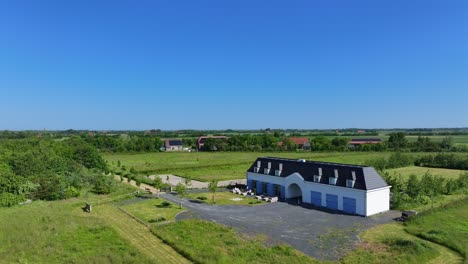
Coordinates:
[274,199]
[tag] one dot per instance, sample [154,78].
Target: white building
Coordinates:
[348,188]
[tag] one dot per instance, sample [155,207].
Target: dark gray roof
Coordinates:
[172,142]
[367,178]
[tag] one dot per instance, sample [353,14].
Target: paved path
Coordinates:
[174,180]
[319,234]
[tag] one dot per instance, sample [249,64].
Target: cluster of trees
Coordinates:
[125,143]
[422,190]
[49,169]
[443,160]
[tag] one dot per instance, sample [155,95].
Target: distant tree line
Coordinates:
[49,169]
[444,160]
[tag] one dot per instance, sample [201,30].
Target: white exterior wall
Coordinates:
[378,201]
[367,202]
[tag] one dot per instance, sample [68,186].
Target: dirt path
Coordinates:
[138,235]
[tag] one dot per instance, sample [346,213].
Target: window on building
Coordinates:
[350,183]
[317,178]
[332,180]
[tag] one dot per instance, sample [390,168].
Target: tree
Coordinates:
[397,140]
[213,187]
[157,184]
[181,190]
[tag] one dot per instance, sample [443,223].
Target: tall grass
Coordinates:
[447,225]
[60,232]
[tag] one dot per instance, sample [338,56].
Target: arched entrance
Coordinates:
[294,193]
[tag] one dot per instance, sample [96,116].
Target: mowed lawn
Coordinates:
[224,198]
[419,171]
[205,166]
[153,210]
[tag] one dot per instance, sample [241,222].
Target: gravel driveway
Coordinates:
[322,235]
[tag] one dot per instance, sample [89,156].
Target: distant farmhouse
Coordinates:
[361,141]
[348,188]
[201,140]
[301,142]
[173,145]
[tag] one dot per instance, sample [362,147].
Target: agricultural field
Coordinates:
[205,166]
[419,171]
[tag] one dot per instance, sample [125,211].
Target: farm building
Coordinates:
[360,141]
[173,144]
[348,188]
[300,142]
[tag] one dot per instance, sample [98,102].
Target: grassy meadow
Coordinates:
[205,166]
[60,232]
[447,226]
[419,171]
[207,242]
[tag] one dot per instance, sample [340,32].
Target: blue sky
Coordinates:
[233,64]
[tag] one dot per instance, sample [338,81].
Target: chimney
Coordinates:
[280,166]
[336,173]
[259,163]
[320,171]
[269,165]
[353,175]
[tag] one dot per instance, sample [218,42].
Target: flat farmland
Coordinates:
[221,165]
[419,171]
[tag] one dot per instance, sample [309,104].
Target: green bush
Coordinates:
[157,220]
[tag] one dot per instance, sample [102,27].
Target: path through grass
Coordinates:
[138,235]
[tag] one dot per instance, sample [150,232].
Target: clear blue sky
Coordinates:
[233,64]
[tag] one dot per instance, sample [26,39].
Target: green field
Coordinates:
[419,171]
[225,198]
[60,232]
[207,242]
[153,209]
[221,165]
[447,226]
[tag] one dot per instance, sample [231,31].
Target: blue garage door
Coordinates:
[250,184]
[349,205]
[259,187]
[316,198]
[332,201]
[271,189]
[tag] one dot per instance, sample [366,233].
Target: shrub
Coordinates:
[157,220]
[203,198]
[164,205]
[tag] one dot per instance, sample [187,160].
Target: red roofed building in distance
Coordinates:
[362,141]
[301,142]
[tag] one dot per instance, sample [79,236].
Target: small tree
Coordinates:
[157,184]
[213,187]
[181,190]
[187,181]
